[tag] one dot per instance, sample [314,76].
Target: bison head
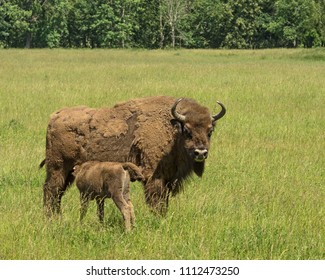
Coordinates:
[196,126]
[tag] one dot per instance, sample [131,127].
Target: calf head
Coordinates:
[195,125]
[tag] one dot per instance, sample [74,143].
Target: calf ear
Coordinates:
[178,125]
[75,170]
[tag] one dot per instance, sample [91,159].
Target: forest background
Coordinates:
[153,24]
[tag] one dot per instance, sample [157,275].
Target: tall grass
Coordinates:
[262,195]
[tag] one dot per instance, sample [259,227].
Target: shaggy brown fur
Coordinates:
[143,131]
[100,180]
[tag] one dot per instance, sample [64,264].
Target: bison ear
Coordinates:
[177,124]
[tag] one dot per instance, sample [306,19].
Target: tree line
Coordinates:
[155,24]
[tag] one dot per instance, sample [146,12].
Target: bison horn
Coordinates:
[176,115]
[221,113]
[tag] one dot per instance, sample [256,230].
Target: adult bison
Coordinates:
[169,138]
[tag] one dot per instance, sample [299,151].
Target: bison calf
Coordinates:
[100,180]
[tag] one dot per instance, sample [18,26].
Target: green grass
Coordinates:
[262,195]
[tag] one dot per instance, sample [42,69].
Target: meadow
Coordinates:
[262,195]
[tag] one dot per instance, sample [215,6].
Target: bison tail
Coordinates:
[42,164]
[134,171]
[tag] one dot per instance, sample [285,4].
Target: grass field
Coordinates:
[263,192]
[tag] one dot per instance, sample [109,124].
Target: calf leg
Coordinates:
[100,209]
[84,202]
[126,196]
[124,207]
[132,215]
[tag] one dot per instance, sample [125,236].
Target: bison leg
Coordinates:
[55,185]
[53,191]
[157,196]
[67,183]
[100,209]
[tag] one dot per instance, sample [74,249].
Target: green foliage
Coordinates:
[147,35]
[241,24]
[295,23]
[208,17]
[14,24]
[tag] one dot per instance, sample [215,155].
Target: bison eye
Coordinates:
[210,133]
[187,133]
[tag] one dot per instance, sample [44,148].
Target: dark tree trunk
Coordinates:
[28,40]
